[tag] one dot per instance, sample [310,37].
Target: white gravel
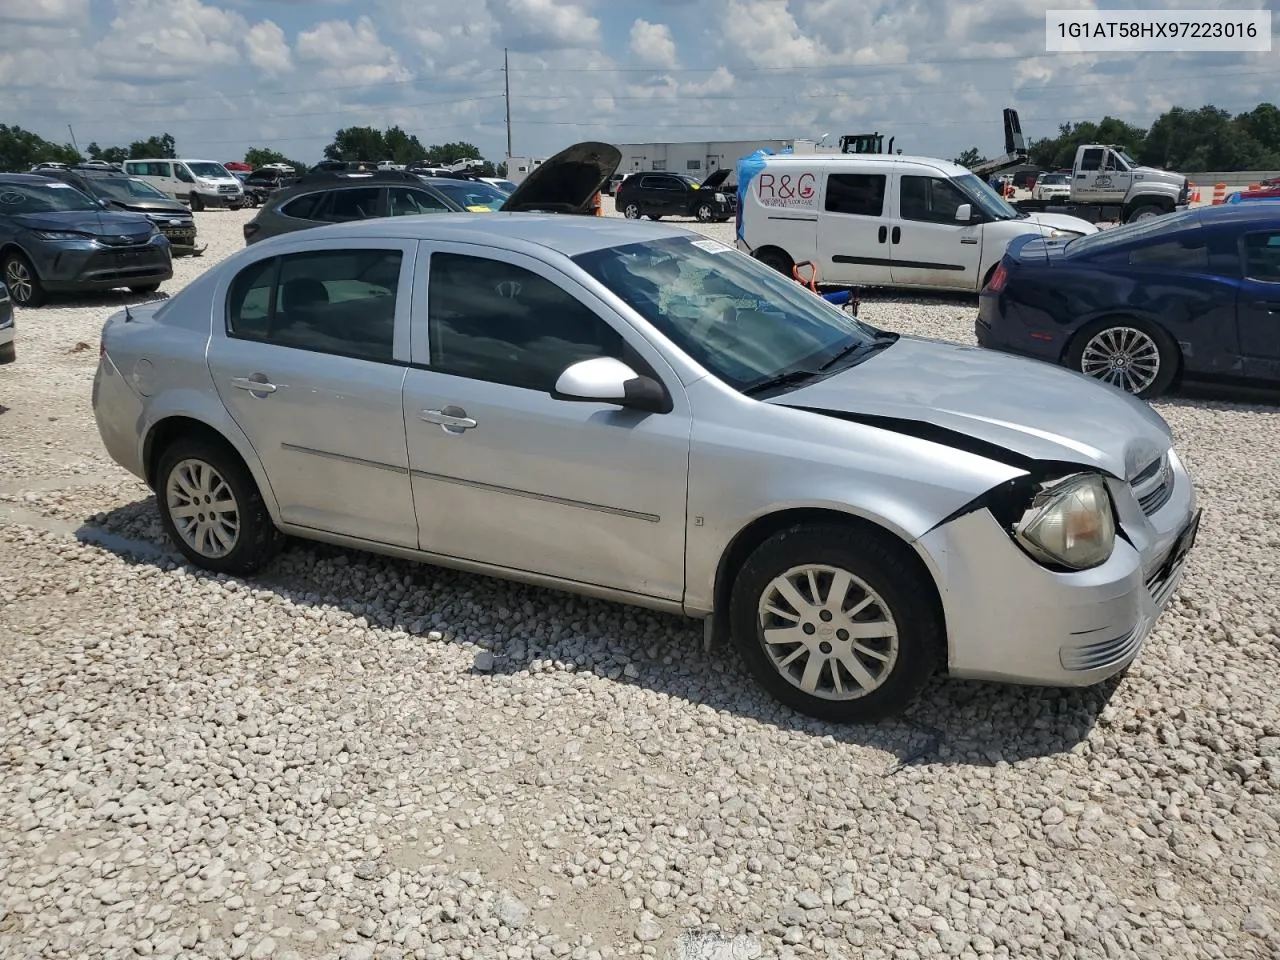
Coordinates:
[353,757]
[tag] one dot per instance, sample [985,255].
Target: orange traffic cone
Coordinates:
[1219,193]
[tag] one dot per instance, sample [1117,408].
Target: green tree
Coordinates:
[20,150]
[500,170]
[357,143]
[970,158]
[1052,153]
[260,156]
[160,147]
[109,154]
[402,147]
[444,153]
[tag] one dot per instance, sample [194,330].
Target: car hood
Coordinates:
[1012,410]
[156,207]
[566,182]
[98,223]
[1061,221]
[1151,174]
[717,179]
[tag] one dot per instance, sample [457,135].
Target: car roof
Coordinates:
[35,179]
[571,234]
[945,167]
[1249,211]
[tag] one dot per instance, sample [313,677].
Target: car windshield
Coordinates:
[506,186]
[1053,178]
[213,171]
[741,320]
[1126,158]
[125,188]
[473,195]
[43,198]
[987,200]
[690,180]
[1139,229]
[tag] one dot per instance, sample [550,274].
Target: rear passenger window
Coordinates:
[360,203]
[1262,256]
[341,302]
[857,193]
[1194,255]
[304,207]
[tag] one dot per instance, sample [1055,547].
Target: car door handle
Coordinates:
[897,234]
[884,232]
[253,385]
[451,418]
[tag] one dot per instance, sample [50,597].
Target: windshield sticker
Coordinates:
[57,186]
[787,190]
[711,246]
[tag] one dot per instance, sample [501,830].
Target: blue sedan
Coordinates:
[1189,296]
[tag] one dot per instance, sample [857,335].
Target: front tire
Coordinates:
[196,203]
[1145,212]
[836,622]
[20,277]
[704,213]
[8,353]
[145,289]
[1126,352]
[211,508]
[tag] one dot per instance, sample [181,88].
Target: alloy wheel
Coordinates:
[1124,357]
[632,212]
[827,632]
[18,279]
[203,508]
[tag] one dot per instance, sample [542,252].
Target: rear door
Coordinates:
[1258,307]
[930,248]
[853,226]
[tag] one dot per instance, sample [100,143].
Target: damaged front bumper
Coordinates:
[1012,620]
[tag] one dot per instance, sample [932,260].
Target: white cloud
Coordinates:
[537,25]
[653,43]
[66,13]
[166,39]
[267,49]
[350,53]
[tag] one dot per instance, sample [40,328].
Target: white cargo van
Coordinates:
[201,183]
[882,220]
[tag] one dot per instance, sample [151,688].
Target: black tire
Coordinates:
[704,213]
[8,353]
[258,539]
[1170,357]
[196,203]
[632,211]
[1144,211]
[884,566]
[146,288]
[775,258]
[17,273]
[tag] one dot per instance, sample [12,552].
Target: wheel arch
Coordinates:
[174,426]
[757,531]
[772,248]
[1148,200]
[14,247]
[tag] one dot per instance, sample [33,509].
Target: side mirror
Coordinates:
[606,380]
[964,213]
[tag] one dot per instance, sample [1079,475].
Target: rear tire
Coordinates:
[1145,212]
[146,288]
[211,508]
[865,640]
[776,259]
[631,211]
[8,353]
[1134,346]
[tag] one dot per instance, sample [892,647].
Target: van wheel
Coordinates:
[1126,352]
[776,259]
[196,203]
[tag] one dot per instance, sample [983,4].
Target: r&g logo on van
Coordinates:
[787,190]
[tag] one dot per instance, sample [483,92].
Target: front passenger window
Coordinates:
[404,202]
[491,320]
[930,199]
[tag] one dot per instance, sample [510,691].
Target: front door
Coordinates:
[1258,306]
[853,229]
[930,248]
[503,474]
[310,363]
[1088,177]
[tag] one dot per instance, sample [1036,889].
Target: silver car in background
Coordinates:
[630,411]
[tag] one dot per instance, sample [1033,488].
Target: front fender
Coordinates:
[209,411]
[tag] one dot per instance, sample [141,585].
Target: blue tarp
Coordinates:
[748,167]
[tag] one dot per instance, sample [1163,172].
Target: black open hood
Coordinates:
[566,182]
[716,179]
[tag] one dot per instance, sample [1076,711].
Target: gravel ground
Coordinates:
[353,757]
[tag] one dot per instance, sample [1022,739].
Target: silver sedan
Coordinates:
[629,411]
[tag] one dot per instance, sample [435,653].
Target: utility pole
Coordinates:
[73,138]
[506,73]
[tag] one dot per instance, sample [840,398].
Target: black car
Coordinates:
[122,192]
[568,183]
[1190,295]
[658,195]
[53,237]
[261,184]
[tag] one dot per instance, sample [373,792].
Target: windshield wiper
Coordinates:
[881,341]
[786,379]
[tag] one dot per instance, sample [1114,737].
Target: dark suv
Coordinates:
[261,184]
[658,195]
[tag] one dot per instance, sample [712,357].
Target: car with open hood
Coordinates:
[118,191]
[851,508]
[54,238]
[657,195]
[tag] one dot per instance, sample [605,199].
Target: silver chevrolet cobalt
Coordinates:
[630,411]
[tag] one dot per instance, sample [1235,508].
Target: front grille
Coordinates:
[1153,486]
[1104,653]
[123,241]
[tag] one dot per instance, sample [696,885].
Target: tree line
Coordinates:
[1209,139]
[21,149]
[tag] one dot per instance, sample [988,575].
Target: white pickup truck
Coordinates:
[1108,184]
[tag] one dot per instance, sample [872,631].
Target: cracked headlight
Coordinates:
[1069,523]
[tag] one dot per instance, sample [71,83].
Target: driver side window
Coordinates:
[491,320]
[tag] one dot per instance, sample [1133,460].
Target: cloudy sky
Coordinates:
[223,75]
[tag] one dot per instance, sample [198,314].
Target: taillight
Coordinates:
[998,279]
[250,231]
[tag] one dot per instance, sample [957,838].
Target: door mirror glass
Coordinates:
[964,213]
[607,380]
